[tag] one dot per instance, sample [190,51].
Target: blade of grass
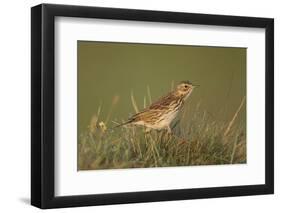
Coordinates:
[233,150]
[115,100]
[149,94]
[234,117]
[134,103]
[99,110]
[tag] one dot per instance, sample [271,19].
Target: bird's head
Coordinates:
[185,88]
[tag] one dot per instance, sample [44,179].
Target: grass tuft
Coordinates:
[198,140]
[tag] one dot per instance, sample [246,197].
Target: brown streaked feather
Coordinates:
[155,112]
[152,113]
[165,101]
[145,115]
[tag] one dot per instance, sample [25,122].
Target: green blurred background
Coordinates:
[108,72]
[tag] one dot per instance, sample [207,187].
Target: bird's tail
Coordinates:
[122,124]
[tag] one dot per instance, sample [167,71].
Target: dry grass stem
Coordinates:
[134,103]
[149,94]
[234,117]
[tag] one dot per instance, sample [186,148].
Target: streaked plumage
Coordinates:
[160,114]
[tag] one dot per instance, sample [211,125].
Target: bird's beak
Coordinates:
[195,85]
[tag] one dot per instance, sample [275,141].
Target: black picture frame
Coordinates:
[43,102]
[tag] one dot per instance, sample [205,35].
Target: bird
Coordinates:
[161,113]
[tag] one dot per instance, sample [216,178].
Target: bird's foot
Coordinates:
[169,130]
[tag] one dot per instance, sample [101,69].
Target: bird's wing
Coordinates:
[146,115]
[163,102]
[153,111]
[138,117]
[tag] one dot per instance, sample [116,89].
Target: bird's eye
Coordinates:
[185,86]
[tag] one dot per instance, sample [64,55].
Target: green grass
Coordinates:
[198,140]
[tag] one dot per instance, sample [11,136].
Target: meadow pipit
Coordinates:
[160,114]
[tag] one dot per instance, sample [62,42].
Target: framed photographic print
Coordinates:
[139,106]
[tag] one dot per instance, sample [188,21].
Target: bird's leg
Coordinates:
[169,130]
[174,135]
[147,130]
